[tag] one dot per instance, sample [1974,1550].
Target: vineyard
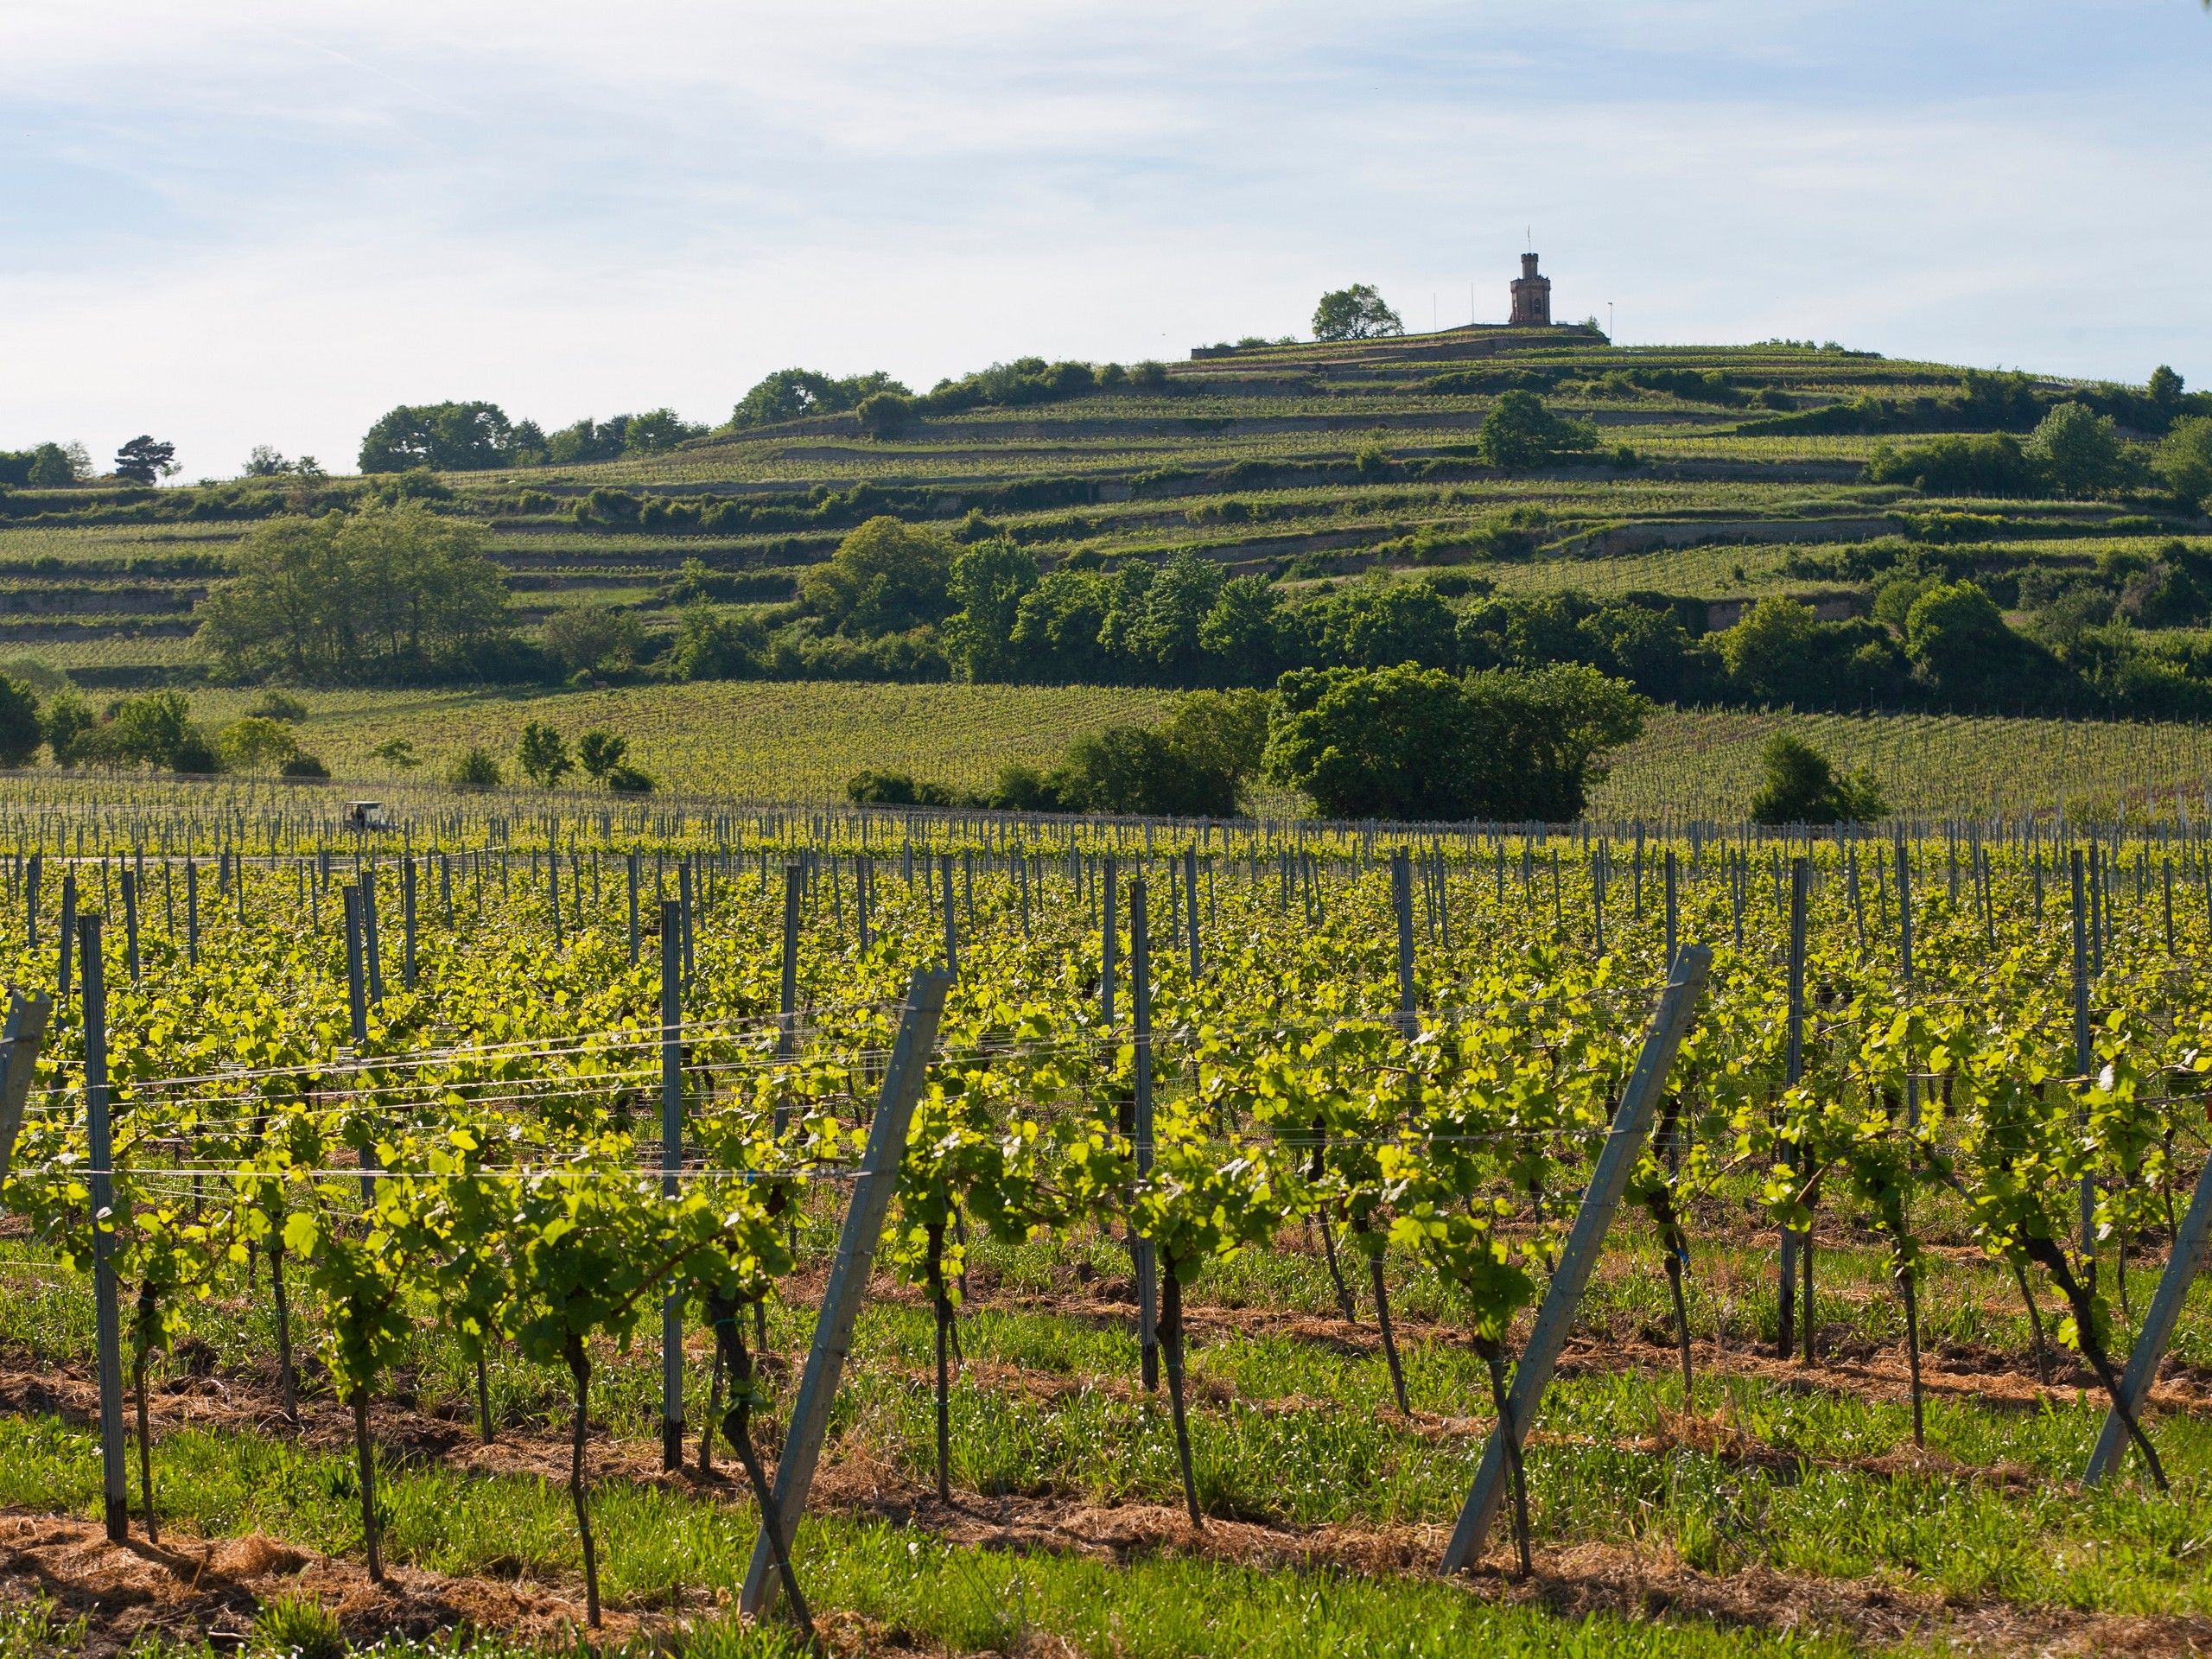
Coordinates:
[736,1229]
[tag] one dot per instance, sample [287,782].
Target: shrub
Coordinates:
[599,752]
[21,732]
[1414,743]
[1519,431]
[2185,459]
[278,705]
[256,742]
[303,765]
[883,414]
[1800,786]
[473,768]
[1992,464]
[628,780]
[542,754]
[2079,451]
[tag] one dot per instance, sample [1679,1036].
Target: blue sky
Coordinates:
[244,223]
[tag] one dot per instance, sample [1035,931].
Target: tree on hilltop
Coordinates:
[1355,313]
[144,459]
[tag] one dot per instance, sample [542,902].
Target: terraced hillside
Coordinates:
[1303,463]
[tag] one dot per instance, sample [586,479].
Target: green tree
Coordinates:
[1412,743]
[885,414]
[385,594]
[657,431]
[21,729]
[1241,630]
[600,752]
[2079,450]
[588,636]
[542,754]
[445,437]
[1140,770]
[68,723]
[152,728]
[1957,639]
[473,768]
[1223,733]
[2185,459]
[989,580]
[51,468]
[278,705]
[1163,633]
[1770,648]
[794,394]
[1799,785]
[1355,313]
[1519,431]
[397,752]
[628,780]
[144,459]
[256,743]
[886,577]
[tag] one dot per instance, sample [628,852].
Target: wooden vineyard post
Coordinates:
[1146,1258]
[371,955]
[130,921]
[1401,901]
[1108,942]
[2191,1242]
[1800,877]
[952,922]
[68,930]
[407,916]
[1674,914]
[787,1017]
[106,1314]
[1191,898]
[19,1045]
[873,1187]
[632,862]
[191,913]
[1624,1144]
[357,1006]
[2085,1054]
[671,1166]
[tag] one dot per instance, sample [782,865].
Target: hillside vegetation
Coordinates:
[1748,527]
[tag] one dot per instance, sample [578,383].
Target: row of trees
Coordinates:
[2074,452]
[1402,742]
[142,460]
[472,437]
[902,600]
[153,728]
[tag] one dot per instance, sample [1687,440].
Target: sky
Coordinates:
[242,223]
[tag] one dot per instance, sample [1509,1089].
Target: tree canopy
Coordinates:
[886,577]
[1798,784]
[1355,313]
[445,437]
[1414,743]
[386,594]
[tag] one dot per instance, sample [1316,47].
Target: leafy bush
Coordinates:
[1414,743]
[21,730]
[304,766]
[886,577]
[628,780]
[473,768]
[794,394]
[1799,785]
[2185,459]
[256,742]
[1992,464]
[883,414]
[278,705]
[1519,431]
[542,754]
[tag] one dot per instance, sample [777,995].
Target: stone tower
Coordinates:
[1532,297]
